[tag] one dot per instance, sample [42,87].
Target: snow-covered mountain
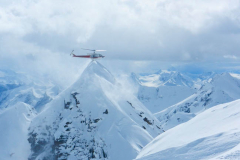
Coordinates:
[200,78]
[157,99]
[213,134]
[221,89]
[14,123]
[19,87]
[93,119]
[98,118]
[164,78]
[162,89]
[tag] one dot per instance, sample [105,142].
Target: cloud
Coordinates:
[39,35]
[230,57]
[134,27]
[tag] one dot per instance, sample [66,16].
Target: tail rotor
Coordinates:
[71,54]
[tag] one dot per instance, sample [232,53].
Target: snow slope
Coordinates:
[213,134]
[158,99]
[162,89]
[14,132]
[221,89]
[235,75]
[94,118]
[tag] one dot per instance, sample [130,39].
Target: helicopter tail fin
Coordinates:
[72,54]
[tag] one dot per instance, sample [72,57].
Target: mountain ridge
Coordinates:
[93,118]
[222,88]
[213,134]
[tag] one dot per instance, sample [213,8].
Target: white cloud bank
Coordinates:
[39,34]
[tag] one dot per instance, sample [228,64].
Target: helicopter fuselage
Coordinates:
[92,56]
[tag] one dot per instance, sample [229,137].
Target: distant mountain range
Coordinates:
[221,88]
[176,97]
[19,87]
[163,78]
[164,88]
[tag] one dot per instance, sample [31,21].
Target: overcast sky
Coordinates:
[38,35]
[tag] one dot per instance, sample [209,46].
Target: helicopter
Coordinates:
[93,55]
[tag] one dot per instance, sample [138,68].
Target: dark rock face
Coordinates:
[76,135]
[147,120]
[105,112]
[39,145]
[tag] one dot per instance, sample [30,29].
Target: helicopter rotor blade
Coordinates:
[94,50]
[88,49]
[100,50]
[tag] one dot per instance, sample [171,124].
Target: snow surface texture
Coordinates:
[14,132]
[221,89]
[18,87]
[94,118]
[213,134]
[162,89]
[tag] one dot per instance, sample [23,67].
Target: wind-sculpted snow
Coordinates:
[213,134]
[222,88]
[94,118]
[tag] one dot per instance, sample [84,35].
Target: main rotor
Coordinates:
[94,50]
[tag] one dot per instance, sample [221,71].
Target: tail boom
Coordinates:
[83,56]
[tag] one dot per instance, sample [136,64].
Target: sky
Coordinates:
[37,36]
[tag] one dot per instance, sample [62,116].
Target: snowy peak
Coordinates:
[162,89]
[218,79]
[164,78]
[225,78]
[201,76]
[178,79]
[94,118]
[92,79]
[226,84]
[95,69]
